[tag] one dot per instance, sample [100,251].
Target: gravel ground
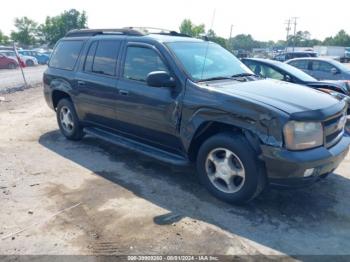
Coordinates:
[10,79]
[90,197]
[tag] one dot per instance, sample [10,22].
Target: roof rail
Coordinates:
[155,30]
[93,32]
[133,31]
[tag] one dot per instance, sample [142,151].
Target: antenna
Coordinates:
[206,38]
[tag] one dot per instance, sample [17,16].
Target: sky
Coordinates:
[264,19]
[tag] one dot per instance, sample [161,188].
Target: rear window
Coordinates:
[66,54]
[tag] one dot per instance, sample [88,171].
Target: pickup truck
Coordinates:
[187,101]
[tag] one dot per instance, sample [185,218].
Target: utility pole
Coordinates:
[229,39]
[287,28]
[295,30]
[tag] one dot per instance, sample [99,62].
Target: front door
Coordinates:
[150,114]
[322,70]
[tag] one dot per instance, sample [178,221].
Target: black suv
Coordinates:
[182,100]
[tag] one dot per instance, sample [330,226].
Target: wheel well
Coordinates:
[57,96]
[207,130]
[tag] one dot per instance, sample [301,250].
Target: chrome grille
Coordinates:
[333,129]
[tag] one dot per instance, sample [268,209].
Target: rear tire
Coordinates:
[68,120]
[229,168]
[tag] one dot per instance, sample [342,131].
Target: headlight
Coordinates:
[303,135]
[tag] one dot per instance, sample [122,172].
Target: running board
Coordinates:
[137,146]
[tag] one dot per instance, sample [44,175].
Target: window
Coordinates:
[66,54]
[280,57]
[301,64]
[140,61]
[321,66]
[105,59]
[268,72]
[205,60]
[90,57]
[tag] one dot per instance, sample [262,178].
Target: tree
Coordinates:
[56,27]
[340,39]
[302,39]
[4,39]
[242,41]
[188,28]
[216,39]
[26,31]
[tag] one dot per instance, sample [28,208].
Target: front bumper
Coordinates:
[286,168]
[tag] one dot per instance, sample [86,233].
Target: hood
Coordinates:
[290,98]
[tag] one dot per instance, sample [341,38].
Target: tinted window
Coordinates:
[66,54]
[90,57]
[105,59]
[280,57]
[140,61]
[321,66]
[301,64]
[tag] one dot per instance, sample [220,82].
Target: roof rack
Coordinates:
[93,32]
[133,31]
[155,30]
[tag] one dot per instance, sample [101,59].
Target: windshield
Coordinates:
[296,72]
[206,60]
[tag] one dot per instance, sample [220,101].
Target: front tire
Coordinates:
[228,167]
[68,121]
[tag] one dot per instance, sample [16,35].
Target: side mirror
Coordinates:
[334,71]
[160,79]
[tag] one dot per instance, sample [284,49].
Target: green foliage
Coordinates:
[4,39]
[303,39]
[242,41]
[56,27]
[340,39]
[26,31]
[216,39]
[188,28]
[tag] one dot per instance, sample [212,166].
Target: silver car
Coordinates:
[322,68]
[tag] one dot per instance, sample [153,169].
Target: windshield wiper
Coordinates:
[215,78]
[243,75]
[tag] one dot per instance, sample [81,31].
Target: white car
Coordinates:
[28,60]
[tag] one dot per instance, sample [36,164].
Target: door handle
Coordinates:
[81,83]
[123,92]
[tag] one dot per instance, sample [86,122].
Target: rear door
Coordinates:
[96,82]
[301,64]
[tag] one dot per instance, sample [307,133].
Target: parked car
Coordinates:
[28,60]
[281,71]
[290,55]
[180,100]
[8,62]
[321,68]
[41,57]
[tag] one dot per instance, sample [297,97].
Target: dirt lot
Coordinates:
[89,197]
[13,77]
